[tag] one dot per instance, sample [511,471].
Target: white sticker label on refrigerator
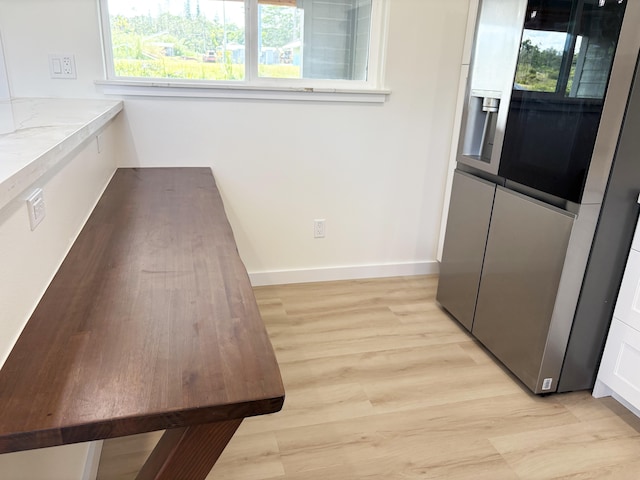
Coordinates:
[546,383]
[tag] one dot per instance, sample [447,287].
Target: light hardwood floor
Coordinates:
[382,384]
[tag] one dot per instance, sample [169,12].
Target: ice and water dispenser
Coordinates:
[490,83]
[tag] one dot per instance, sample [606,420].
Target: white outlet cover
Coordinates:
[62,65]
[319,228]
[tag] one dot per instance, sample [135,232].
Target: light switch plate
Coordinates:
[62,65]
[36,207]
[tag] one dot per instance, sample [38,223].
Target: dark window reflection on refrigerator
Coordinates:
[564,64]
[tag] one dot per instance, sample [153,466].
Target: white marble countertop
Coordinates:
[47,131]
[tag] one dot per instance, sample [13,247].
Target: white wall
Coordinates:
[376,173]
[32,29]
[29,260]
[7,123]
[5,94]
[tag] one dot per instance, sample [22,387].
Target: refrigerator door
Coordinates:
[560,99]
[466,237]
[523,264]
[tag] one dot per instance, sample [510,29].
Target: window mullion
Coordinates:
[378,42]
[251,40]
[107,43]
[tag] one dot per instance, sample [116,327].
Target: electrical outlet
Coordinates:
[36,207]
[319,228]
[62,65]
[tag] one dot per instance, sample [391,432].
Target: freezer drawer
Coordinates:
[523,264]
[465,241]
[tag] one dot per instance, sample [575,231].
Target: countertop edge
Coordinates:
[16,183]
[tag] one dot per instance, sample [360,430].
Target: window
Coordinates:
[245,42]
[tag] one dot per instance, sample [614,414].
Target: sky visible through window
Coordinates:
[234,10]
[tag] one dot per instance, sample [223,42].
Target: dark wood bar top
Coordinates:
[149,324]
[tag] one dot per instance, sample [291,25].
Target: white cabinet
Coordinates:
[619,374]
[628,304]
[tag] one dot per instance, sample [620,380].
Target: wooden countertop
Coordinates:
[150,323]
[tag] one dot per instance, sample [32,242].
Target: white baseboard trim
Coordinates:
[93,460]
[283,277]
[625,403]
[600,389]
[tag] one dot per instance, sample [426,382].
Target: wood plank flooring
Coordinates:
[382,384]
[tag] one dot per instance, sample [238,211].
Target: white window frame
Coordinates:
[253,86]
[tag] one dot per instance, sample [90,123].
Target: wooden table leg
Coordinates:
[188,453]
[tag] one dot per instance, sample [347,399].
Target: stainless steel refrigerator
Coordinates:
[527,265]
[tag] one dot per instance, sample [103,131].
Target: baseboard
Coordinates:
[600,389]
[282,277]
[626,404]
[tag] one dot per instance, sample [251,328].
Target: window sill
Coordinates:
[207,90]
